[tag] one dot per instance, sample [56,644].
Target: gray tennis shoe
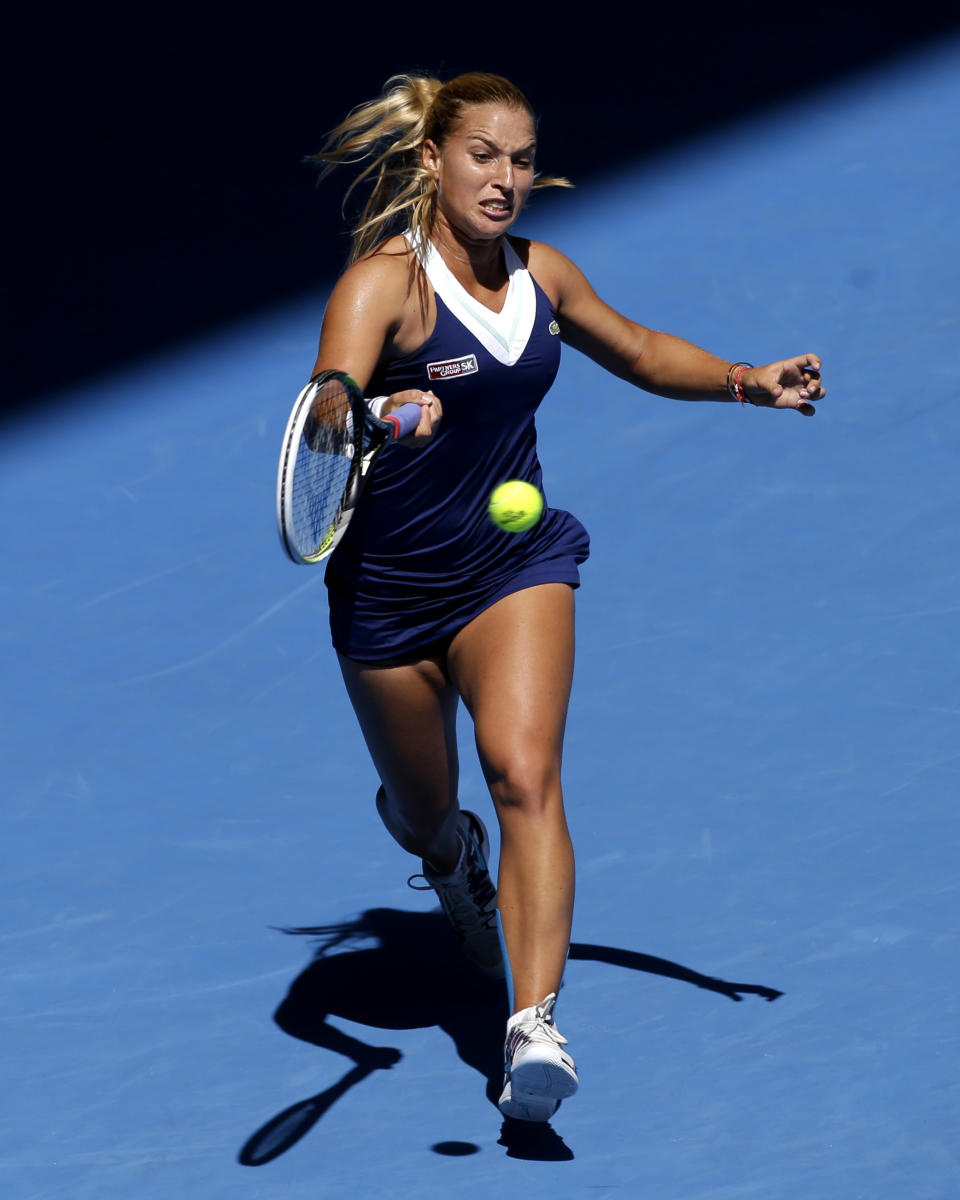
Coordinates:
[469,898]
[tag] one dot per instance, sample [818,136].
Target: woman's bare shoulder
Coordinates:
[552,270]
[544,257]
[376,311]
[385,272]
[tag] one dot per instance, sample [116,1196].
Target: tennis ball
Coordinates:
[515,506]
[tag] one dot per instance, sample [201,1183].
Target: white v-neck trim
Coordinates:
[504,334]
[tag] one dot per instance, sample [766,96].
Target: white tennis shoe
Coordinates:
[538,1072]
[530,1108]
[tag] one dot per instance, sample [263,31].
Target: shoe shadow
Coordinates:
[390,969]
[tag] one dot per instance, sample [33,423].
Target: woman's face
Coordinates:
[483,170]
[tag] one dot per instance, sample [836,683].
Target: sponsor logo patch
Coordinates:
[453,368]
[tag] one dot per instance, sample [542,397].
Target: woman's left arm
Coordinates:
[660,362]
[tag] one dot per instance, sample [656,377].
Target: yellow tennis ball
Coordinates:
[515,506]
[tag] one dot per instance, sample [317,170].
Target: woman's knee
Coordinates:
[525,783]
[420,819]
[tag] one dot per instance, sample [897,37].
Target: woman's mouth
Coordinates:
[496,208]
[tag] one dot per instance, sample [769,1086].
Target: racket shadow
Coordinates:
[395,970]
[650,965]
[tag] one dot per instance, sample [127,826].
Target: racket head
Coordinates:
[319,469]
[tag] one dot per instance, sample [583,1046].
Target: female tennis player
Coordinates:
[430,602]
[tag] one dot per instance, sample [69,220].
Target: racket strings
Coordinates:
[323,467]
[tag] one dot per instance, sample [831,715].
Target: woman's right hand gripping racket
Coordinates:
[329,448]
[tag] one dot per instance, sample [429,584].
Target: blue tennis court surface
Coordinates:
[763,756]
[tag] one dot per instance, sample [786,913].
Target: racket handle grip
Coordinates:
[404,420]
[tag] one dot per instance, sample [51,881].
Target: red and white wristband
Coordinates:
[734,381]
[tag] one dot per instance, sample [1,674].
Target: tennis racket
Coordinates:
[331,443]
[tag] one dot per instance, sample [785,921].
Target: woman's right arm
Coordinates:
[366,310]
[361,317]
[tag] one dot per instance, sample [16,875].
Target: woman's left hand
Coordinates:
[791,383]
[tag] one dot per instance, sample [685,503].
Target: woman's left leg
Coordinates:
[513,666]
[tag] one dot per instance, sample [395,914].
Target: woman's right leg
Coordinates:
[408,716]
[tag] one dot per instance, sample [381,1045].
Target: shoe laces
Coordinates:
[538,1027]
[467,896]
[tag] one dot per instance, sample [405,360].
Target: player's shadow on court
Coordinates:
[413,976]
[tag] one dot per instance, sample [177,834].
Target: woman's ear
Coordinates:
[430,157]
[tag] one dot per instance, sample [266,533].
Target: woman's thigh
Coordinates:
[513,666]
[408,716]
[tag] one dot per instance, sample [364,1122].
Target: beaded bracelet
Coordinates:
[734,386]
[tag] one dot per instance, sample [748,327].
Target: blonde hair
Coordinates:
[388,135]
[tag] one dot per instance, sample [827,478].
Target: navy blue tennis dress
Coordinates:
[421,557]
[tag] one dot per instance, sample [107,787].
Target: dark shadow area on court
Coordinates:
[393,970]
[157,186]
[669,970]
